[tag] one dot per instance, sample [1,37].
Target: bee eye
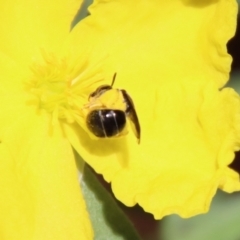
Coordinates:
[99,91]
[106,122]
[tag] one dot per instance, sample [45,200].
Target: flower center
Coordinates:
[61,88]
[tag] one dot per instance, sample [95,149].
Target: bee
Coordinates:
[108,112]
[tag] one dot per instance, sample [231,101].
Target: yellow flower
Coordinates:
[40,194]
[170,57]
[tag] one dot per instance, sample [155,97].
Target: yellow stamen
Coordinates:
[62,89]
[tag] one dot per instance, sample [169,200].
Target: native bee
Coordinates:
[108,111]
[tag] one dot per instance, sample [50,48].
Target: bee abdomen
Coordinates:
[105,123]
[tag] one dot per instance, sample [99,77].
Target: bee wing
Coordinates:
[132,115]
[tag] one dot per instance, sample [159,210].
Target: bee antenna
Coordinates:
[113,80]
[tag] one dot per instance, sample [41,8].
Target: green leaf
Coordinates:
[220,223]
[108,220]
[82,12]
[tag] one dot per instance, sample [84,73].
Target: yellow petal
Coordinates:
[160,36]
[171,58]
[27,26]
[40,195]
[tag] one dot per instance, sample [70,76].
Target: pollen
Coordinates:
[62,88]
